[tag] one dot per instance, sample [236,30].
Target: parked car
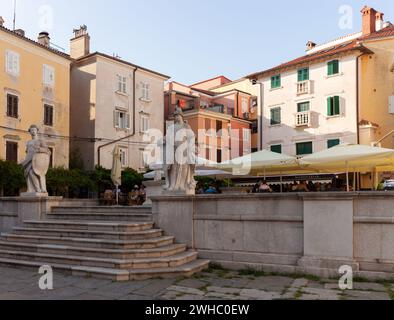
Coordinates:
[389,185]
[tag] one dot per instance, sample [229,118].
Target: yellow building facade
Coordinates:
[34,89]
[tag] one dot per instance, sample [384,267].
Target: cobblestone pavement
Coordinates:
[215,284]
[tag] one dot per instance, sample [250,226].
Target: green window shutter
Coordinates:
[277,148]
[333,143]
[275,81]
[336,66]
[304,148]
[303,74]
[336,105]
[333,67]
[329,106]
[276,116]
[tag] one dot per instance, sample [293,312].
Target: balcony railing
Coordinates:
[303,87]
[303,119]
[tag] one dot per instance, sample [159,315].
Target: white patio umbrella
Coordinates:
[116,172]
[261,162]
[358,158]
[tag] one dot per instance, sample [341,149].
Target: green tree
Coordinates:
[130,178]
[11,178]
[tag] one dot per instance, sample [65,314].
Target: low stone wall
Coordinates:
[312,233]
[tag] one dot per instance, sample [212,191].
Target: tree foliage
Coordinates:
[11,178]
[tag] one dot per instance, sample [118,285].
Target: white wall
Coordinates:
[323,128]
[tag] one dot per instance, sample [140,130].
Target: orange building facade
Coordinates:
[223,122]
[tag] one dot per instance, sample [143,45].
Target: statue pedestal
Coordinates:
[34,195]
[153,188]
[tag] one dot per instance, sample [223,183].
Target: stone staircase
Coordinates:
[117,243]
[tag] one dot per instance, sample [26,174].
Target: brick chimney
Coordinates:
[379,21]
[44,39]
[80,44]
[369,20]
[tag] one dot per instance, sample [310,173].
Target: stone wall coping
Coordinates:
[30,199]
[307,196]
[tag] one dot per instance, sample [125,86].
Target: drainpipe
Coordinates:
[129,136]
[261,111]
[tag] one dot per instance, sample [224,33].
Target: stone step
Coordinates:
[91,243]
[102,209]
[146,263]
[90,216]
[185,270]
[165,251]
[136,235]
[89,225]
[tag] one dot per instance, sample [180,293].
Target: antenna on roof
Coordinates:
[14,14]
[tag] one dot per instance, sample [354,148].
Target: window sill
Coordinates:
[121,93]
[13,118]
[275,125]
[145,100]
[275,89]
[334,117]
[335,75]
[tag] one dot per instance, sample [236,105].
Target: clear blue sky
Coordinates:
[194,40]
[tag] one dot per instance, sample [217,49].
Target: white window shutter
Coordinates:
[391,104]
[147,91]
[16,64]
[127,120]
[116,119]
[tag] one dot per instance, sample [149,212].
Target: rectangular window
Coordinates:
[246,135]
[122,120]
[303,74]
[48,115]
[12,106]
[48,75]
[124,159]
[51,158]
[304,148]
[333,106]
[219,156]
[219,128]
[275,81]
[255,126]
[12,63]
[12,151]
[144,124]
[333,67]
[245,106]
[145,91]
[333,142]
[304,107]
[277,148]
[276,116]
[122,84]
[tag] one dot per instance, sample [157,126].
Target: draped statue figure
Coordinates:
[36,164]
[180,158]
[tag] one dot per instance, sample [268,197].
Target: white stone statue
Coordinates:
[179,174]
[36,164]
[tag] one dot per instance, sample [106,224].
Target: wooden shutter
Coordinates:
[116,119]
[127,115]
[337,110]
[329,106]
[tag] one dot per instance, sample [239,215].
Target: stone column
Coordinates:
[328,232]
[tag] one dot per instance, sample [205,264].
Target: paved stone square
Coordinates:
[214,284]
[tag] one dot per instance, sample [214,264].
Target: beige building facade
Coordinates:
[34,89]
[113,102]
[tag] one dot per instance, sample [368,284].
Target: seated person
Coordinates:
[264,187]
[211,190]
[134,196]
[109,197]
[142,196]
[302,187]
